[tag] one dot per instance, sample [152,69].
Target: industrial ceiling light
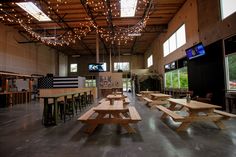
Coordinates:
[127,8]
[34,11]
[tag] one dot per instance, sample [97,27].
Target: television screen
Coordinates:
[96,67]
[195,51]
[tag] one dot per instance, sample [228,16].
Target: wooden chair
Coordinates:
[207,99]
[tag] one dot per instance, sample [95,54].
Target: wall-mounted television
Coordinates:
[195,51]
[96,67]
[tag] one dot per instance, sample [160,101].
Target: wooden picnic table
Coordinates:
[113,97]
[197,111]
[148,93]
[105,113]
[157,99]
[160,96]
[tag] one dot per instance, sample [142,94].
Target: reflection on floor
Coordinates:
[22,134]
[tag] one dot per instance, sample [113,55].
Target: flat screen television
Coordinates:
[96,67]
[195,51]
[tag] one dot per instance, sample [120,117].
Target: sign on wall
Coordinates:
[108,80]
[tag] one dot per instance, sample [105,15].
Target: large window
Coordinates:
[177,78]
[73,68]
[231,71]
[126,84]
[90,81]
[176,40]
[121,66]
[149,61]
[228,7]
[104,66]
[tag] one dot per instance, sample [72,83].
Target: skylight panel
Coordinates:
[128,8]
[34,11]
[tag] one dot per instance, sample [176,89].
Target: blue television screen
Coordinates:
[96,67]
[195,51]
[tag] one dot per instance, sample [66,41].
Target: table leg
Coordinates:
[45,111]
[55,111]
[172,107]
[93,126]
[126,126]
[183,126]
[220,124]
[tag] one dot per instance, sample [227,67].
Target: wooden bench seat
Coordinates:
[172,114]
[160,102]
[86,115]
[126,101]
[148,100]
[139,95]
[225,114]
[134,115]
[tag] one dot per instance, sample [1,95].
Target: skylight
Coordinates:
[34,11]
[128,8]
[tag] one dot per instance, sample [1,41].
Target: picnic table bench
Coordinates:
[105,113]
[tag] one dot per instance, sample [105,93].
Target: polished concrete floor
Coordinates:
[23,135]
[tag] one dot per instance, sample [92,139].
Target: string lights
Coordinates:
[117,35]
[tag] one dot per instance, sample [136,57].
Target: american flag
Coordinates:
[58,82]
[65,82]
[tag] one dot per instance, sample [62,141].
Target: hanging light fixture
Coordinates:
[119,69]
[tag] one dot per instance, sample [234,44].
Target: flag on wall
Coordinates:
[59,82]
[65,82]
[45,82]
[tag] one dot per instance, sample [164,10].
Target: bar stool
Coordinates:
[84,100]
[69,107]
[231,101]
[78,103]
[90,98]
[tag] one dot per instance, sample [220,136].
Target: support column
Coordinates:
[97,48]
[110,61]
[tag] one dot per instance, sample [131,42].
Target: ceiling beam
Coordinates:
[66,24]
[90,14]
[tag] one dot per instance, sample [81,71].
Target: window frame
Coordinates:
[167,48]
[72,67]
[150,61]
[121,66]
[222,9]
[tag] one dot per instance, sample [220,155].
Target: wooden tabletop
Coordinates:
[193,104]
[61,95]
[160,95]
[148,91]
[113,96]
[106,106]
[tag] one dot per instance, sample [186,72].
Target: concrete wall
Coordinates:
[136,62]
[188,15]
[24,58]
[211,27]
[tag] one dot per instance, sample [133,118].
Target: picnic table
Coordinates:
[197,111]
[105,113]
[157,99]
[113,97]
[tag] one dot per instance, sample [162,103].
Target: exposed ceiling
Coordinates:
[77,22]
